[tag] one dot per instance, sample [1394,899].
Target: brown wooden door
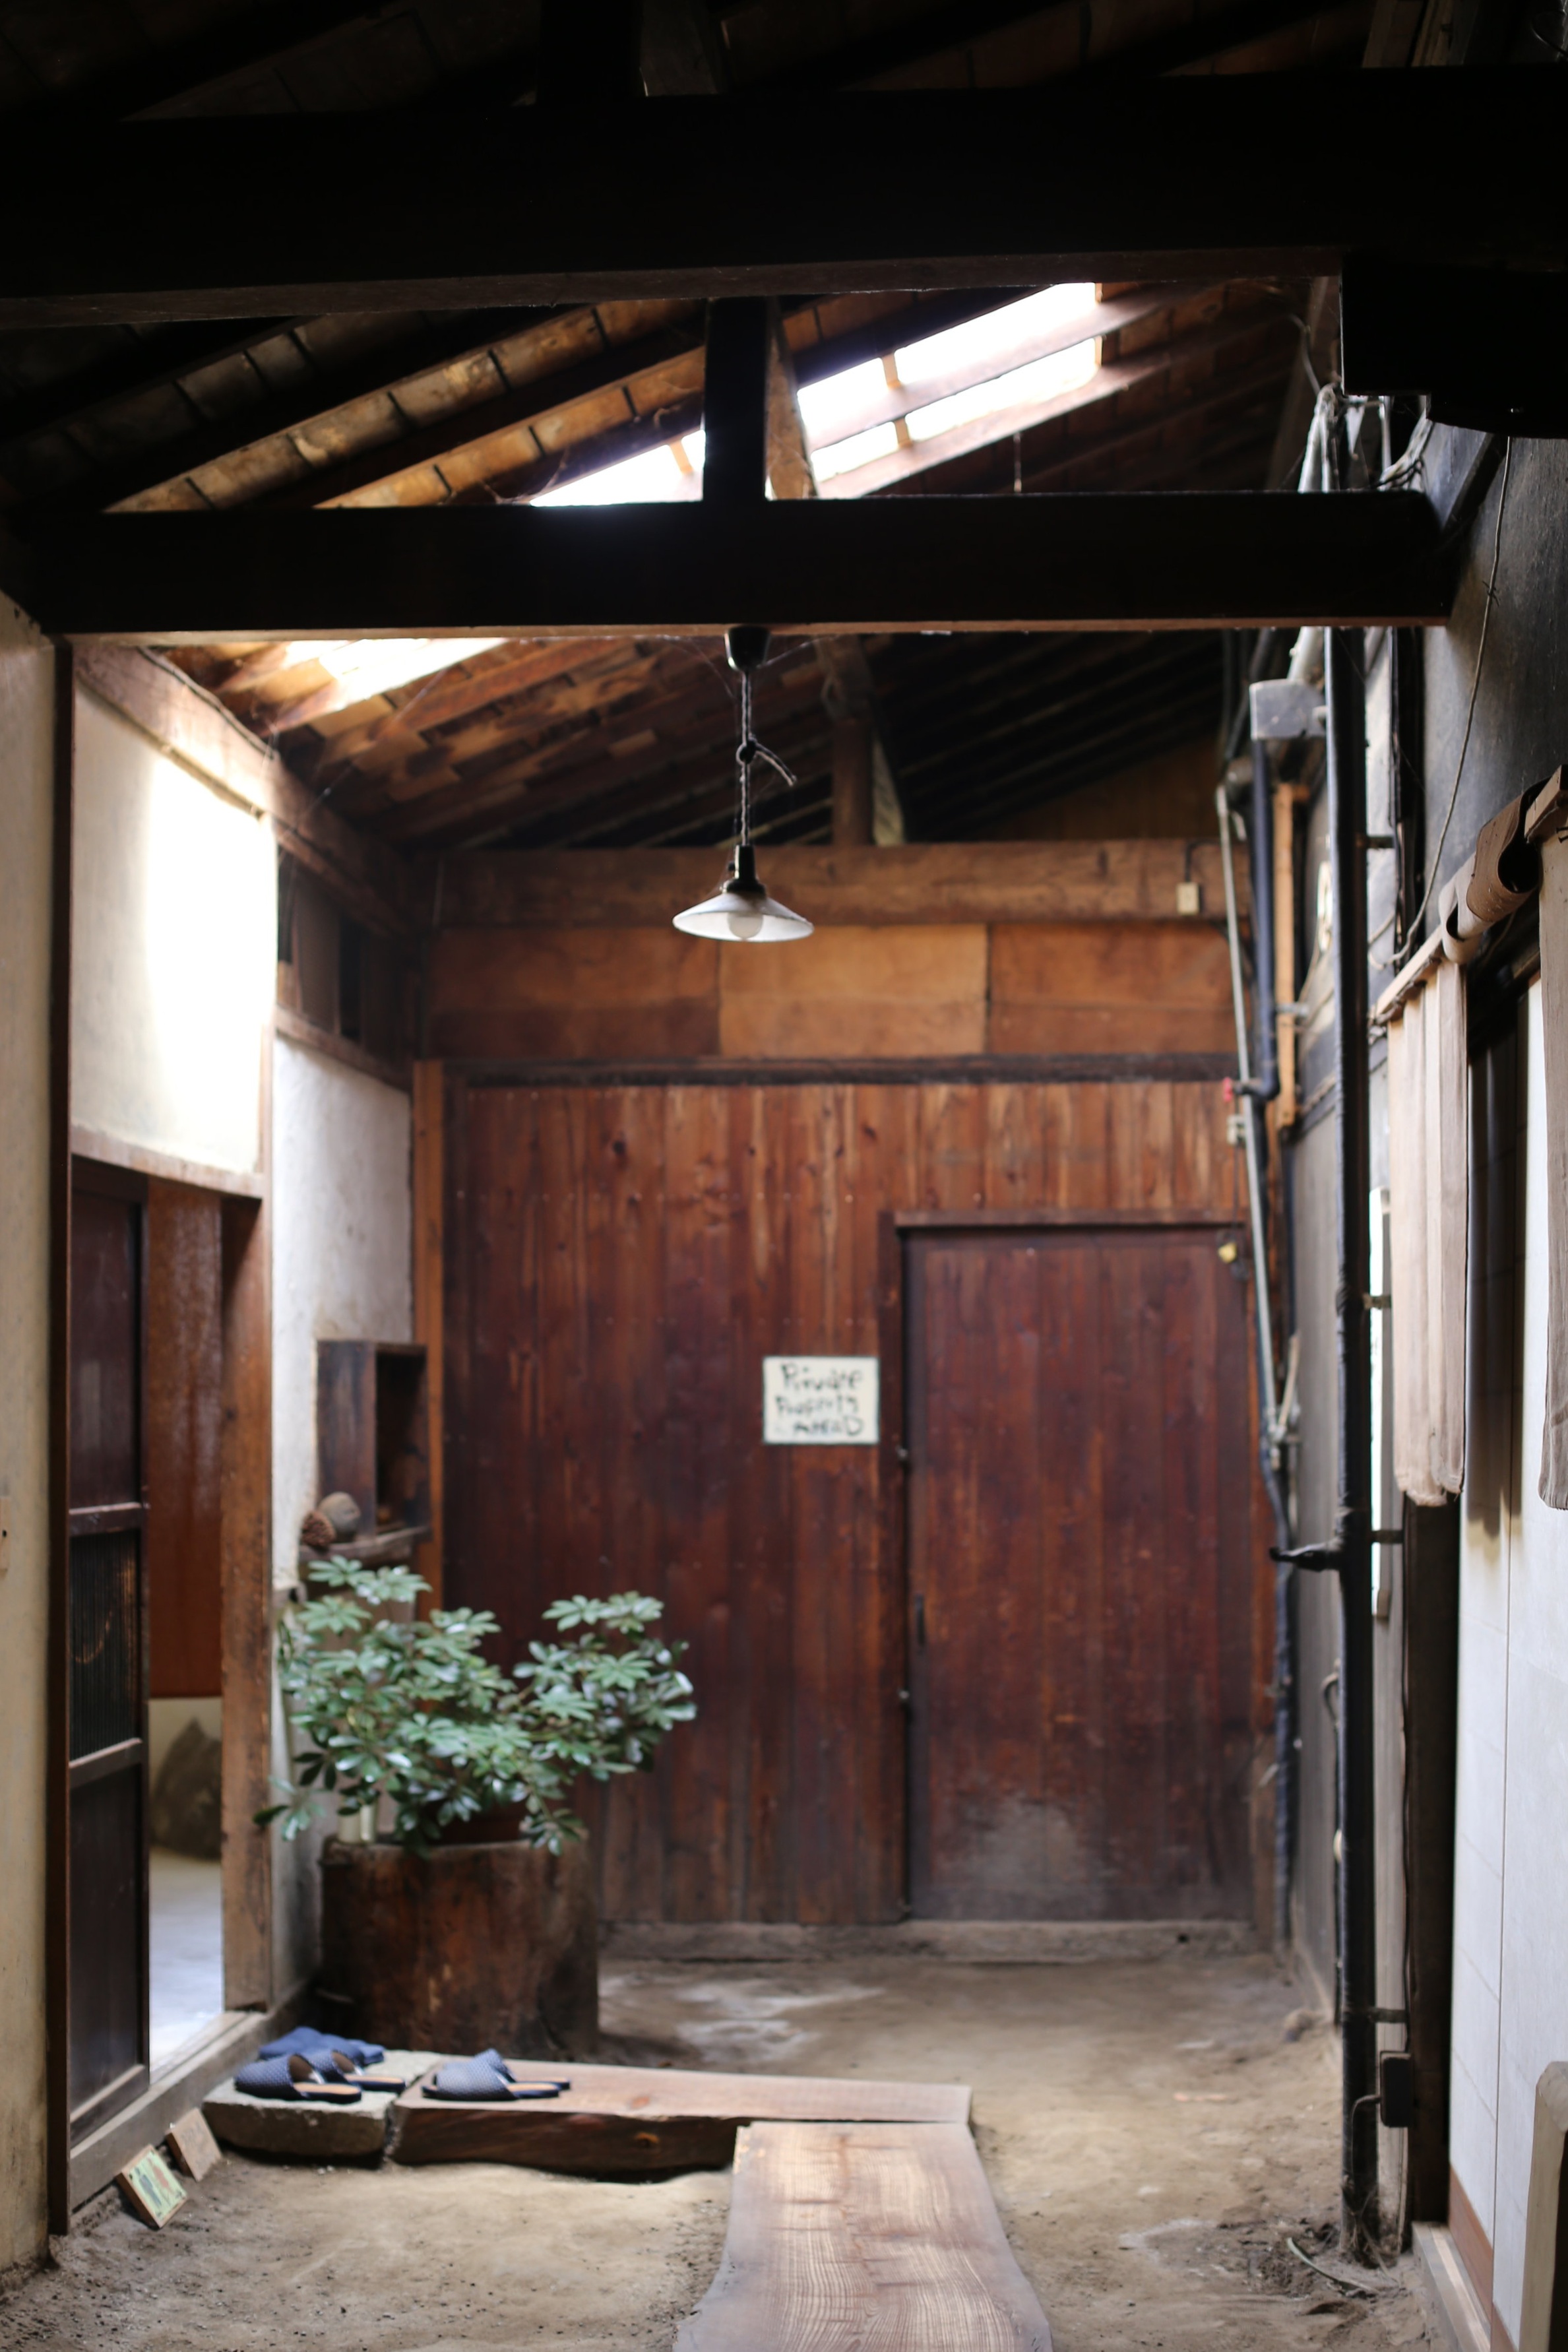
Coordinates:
[1080,1583]
[108,2022]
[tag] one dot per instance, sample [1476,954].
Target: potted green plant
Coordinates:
[472,1921]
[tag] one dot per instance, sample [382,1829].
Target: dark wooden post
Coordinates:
[735,403]
[852,783]
[589,51]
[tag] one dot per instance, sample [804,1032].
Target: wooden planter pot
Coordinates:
[479,1947]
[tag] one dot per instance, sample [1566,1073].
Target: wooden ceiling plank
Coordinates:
[316,396]
[561,204]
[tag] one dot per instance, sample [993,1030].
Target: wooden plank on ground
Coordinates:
[632,2120]
[842,2235]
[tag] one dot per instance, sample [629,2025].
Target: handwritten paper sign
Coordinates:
[819,1399]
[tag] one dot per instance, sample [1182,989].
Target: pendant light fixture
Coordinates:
[741,908]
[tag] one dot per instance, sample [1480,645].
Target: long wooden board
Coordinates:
[633,2120]
[850,2234]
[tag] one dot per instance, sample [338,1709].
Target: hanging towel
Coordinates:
[1428,1180]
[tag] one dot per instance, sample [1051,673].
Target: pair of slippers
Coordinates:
[487,2077]
[332,2070]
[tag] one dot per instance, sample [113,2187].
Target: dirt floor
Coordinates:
[1154,2132]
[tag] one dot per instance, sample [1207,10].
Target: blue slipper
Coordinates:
[309,2038]
[487,2077]
[293,2077]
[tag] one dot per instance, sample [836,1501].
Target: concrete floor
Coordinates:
[1151,2136]
[185,1950]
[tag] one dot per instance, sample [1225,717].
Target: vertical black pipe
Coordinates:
[1260,842]
[1347,826]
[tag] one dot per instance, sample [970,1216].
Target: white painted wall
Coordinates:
[1510,1989]
[342,1268]
[175,951]
[26,827]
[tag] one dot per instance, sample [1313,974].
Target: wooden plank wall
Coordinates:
[618,1258]
[910,989]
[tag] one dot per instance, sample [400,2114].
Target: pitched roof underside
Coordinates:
[626,740]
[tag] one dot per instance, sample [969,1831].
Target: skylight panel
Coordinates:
[656,477]
[371,666]
[835,406]
[960,349]
[859,449]
[1024,386]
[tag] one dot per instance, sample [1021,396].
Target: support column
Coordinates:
[1357,1867]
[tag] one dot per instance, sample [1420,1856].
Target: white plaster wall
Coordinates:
[1510,1913]
[1533,2022]
[26,705]
[175,950]
[342,1268]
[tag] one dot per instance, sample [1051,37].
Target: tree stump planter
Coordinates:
[479,1946]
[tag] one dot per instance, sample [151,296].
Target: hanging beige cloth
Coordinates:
[1554,1037]
[1428,1211]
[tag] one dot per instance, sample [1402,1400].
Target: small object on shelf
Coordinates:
[150,2188]
[389,1547]
[342,1513]
[316,1533]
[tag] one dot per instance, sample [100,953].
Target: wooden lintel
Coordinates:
[930,189]
[371,881]
[927,882]
[1184,559]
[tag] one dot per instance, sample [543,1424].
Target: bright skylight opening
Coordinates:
[371,666]
[836,405]
[656,479]
[1026,386]
[843,456]
[967,348]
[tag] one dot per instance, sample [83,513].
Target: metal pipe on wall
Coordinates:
[1353,1531]
[1249,1094]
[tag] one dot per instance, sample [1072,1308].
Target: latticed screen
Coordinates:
[105,1641]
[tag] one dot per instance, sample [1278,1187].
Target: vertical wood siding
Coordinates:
[618,1261]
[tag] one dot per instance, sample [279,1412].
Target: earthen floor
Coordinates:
[1151,2135]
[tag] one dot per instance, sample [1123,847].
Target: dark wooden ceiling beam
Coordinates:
[566,203]
[806,566]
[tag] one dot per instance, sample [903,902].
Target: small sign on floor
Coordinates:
[192,2144]
[819,1401]
[150,2183]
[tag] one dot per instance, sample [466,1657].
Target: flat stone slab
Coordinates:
[299,2127]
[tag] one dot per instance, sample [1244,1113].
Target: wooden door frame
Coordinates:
[117,1184]
[246,1509]
[892,1335]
